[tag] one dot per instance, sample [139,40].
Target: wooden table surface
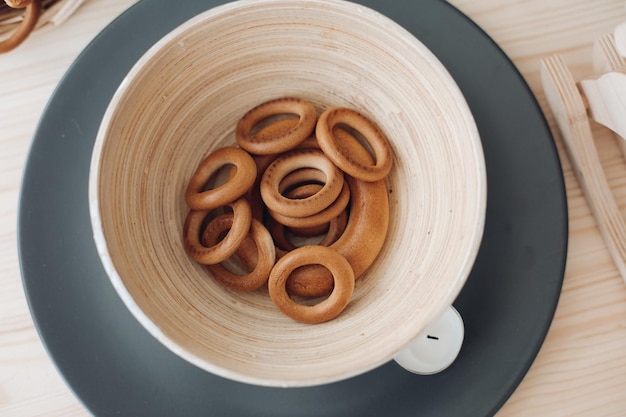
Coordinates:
[581,368]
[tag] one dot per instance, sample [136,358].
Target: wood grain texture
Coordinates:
[567,106]
[29,383]
[581,369]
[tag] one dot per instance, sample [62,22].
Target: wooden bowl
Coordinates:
[183,99]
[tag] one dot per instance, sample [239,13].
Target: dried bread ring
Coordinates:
[360,243]
[320,218]
[263,161]
[264,251]
[214,254]
[331,231]
[366,229]
[328,309]
[26,26]
[236,185]
[296,178]
[299,180]
[345,140]
[293,161]
[18,4]
[282,141]
[329,235]
[300,177]
[345,160]
[304,191]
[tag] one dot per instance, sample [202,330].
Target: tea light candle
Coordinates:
[436,348]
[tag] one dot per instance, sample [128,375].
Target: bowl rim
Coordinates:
[116,279]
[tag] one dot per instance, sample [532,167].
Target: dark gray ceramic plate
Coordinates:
[117,369]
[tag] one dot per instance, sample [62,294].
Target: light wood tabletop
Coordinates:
[581,368]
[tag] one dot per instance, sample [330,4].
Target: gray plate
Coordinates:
[117,369]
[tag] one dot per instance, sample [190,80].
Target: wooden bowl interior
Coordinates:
[183,100]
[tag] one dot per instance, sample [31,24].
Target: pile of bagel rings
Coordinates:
[294,175]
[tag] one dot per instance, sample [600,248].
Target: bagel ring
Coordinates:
[283,140]
[304,191]
[221,251]
[331,232]
[236,185]
[345,160]
[293,161]
[314,178]
[360,243]
[320,218]
[266,254]
[263,161]
[315,281]
[328,309]
[26,26]
[298,178]
[334,230]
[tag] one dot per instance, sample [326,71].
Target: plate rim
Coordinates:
[67,79]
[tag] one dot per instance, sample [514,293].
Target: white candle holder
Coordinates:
[436,348]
